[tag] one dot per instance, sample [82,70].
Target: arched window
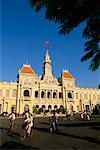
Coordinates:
[26,93]
[69,95]
[42,94]
[60,95]
[48,94]
[61,106]
[54,95]
[55,107]
[36,94]
[49,106]
[37,106]
[43,106]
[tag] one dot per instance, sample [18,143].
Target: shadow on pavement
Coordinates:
[15,145]
[72,124]
[95,128]
[13,134]
[10,133]
[85,138]
[1,128]
[42,129]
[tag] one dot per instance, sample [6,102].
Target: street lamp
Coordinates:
[3,105]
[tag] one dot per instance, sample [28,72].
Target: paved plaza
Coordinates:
[71,135]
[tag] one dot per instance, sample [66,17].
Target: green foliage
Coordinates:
[35,110]
[69,14]
[40,110]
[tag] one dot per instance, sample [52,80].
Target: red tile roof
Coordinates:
[27,69]
[66,74]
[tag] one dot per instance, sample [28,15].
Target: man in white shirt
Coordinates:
[12,120]
[29,124]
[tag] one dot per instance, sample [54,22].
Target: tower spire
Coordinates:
[47,69]
[47,57]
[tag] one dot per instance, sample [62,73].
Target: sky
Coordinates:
[23,36]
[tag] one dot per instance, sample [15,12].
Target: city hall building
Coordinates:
[46,91]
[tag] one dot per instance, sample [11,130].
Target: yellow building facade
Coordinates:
[46,91]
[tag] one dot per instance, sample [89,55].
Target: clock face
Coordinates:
[26,81]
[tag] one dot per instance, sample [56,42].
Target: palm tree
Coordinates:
[70,14]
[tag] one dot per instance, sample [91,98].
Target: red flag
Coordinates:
[46,45]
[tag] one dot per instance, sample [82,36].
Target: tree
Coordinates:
[69,14]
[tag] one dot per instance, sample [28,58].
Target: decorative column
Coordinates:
[6,106]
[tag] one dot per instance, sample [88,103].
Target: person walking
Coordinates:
[56,115]
[12,121]
[53,123]
[88,116]
[81,115]
[27,126]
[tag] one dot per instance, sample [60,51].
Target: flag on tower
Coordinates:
[46,45]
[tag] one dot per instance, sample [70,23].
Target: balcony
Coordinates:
[26,98]
[70,99]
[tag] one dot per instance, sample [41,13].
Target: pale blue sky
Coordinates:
[23,36]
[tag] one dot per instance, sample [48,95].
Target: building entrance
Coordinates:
[26,108]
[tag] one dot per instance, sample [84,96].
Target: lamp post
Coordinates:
[19,107]
[65,96]
[90,104]
[3,105]
[16,99]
